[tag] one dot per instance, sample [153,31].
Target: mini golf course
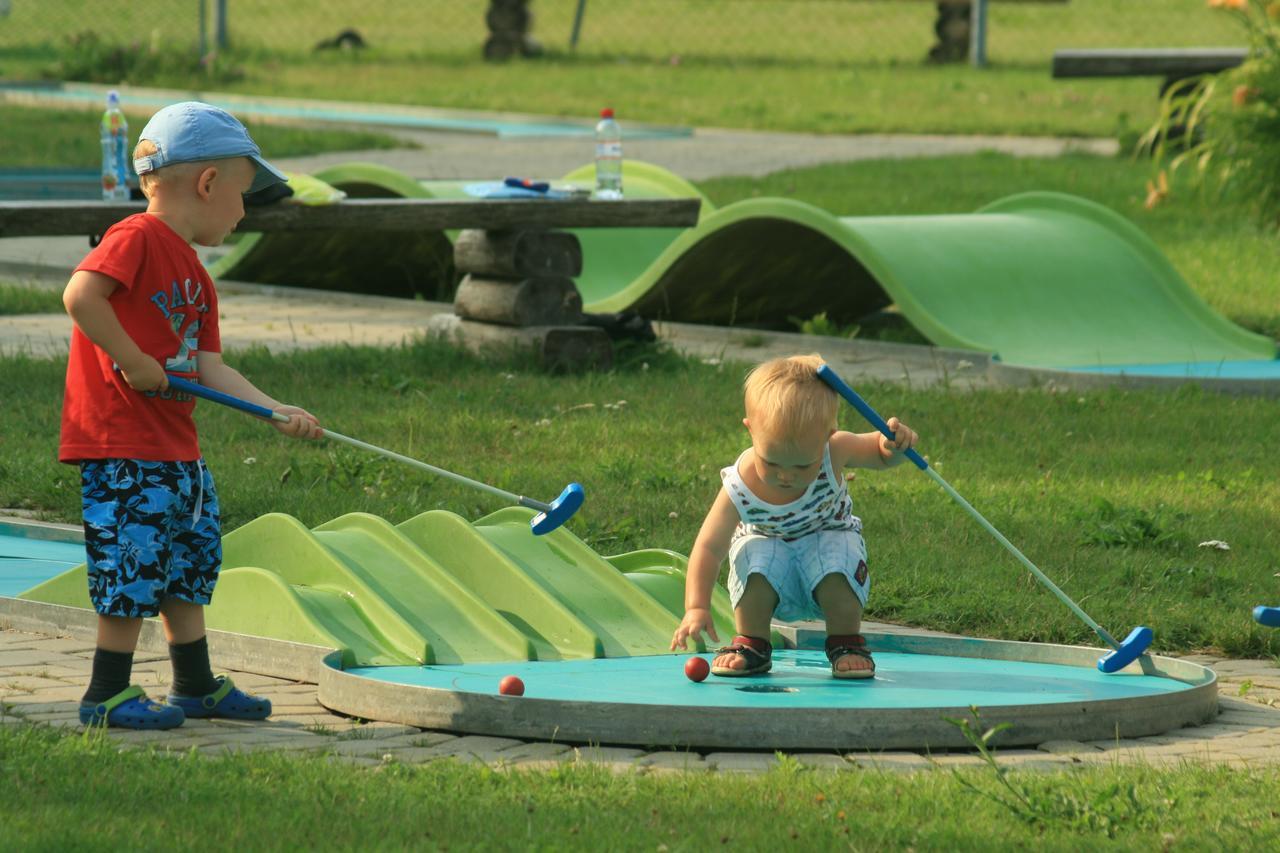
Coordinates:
[420,621]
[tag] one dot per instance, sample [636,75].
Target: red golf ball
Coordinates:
[511,686]
[697,668]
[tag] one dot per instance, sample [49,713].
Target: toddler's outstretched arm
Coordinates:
[709,551]
[871,449]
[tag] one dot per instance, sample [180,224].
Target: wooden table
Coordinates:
[518,288]
[59,218]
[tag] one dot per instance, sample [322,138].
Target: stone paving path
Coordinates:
[42,679]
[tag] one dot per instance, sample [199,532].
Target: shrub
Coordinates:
[1227,126]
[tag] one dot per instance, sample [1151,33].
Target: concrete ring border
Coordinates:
[793,729]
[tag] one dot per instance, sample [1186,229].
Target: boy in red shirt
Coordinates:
[144,306]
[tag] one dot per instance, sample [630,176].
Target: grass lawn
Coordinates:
[58,784]
[770,64]
[36,136]
[1110,493]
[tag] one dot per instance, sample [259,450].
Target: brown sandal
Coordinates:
[842,645]
[758,654]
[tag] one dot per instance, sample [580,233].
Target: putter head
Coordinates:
[1133,646]
[1269,616]
[559,511]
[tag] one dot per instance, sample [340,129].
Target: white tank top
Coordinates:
[825,505]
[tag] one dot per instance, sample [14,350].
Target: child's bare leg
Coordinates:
[843,612]
[183,621]
[751,617]
[119,633]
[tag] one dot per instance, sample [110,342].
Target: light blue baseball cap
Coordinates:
[193,131]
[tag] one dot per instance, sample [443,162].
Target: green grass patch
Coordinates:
[1212,239]
[58,782]
[650,469]
[41,137]
[23,298]
[771,64]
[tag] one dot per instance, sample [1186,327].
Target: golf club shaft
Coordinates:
[842,388]
[1062,596]
[466,481]
[263,412]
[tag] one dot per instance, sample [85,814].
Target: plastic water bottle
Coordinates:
[608,157]
[113,131]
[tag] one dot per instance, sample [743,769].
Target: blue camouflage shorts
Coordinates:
[151,531]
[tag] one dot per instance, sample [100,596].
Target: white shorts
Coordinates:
[794,569]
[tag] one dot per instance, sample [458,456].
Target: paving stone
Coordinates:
[27,683]
[949,760]
[536,751]
[480,747]
[33,657]
[354,761]
[670,761]
[823,761]
[742,762]
[235,747]
[375,729]
[1066,747]
[1115,744]
[898,761]
[615,758]
[56,671]
[66,645]
[380,746]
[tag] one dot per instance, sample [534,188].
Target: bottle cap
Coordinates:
[113,98]
[607,112]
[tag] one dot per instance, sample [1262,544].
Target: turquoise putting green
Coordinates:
[800,678]
[25,562]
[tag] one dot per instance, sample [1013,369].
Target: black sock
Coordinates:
[111,671]
[191,673]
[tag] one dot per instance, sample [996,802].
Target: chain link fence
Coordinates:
[838,33]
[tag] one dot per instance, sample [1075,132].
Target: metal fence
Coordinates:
[839,33]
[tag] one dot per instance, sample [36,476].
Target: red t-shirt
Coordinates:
[167,304]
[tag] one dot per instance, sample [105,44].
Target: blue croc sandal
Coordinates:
[131,709]
[227,701]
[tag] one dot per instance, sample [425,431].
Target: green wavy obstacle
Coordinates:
[436,589]
[1038,279]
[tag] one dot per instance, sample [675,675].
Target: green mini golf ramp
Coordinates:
[436,589]
[1038,279]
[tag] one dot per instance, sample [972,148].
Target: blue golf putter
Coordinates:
[549,517]
[1121,655]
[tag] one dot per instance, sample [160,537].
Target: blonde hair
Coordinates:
[785,396]
[148,181]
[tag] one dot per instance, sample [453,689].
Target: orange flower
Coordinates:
[1157,191]
[1244,95]
[1227,4]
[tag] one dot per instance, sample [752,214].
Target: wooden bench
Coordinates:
[954,28]
[518,289]
[1174,64]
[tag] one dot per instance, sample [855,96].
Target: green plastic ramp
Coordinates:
[1038,279]
[435,590]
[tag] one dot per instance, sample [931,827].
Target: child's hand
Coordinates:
[904,438]
[301,424]
[145,374]
[696,621]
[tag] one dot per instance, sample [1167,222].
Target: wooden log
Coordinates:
[518,254]
[555,348]
[538,301]
[56,218]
